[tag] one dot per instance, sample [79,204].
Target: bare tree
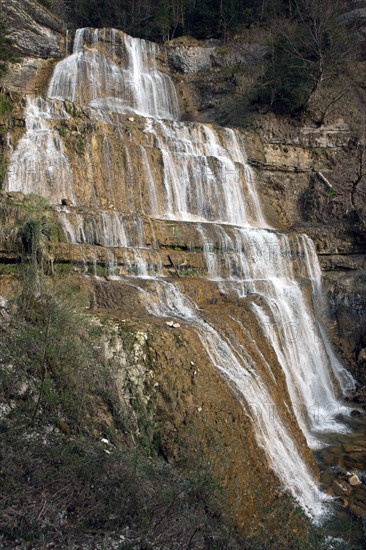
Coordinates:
[360,175]
[333,100]
[316,36]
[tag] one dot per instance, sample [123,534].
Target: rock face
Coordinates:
[29,76]
[341,488]
[39,37]
[194,57]
[37,33]
[356,21]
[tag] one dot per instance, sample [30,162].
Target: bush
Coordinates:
[3,163]
[51,344]
[74,494]
[46,337]
[6,105]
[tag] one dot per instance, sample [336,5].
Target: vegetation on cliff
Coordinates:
[307,49]
[6,54]
[166,19]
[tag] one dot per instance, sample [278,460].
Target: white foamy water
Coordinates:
[39,163]
[206,176]
[137,86]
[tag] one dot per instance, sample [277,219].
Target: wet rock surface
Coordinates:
[343,471]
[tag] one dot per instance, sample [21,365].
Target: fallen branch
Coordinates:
[325,181]
[173,264]
[42,509]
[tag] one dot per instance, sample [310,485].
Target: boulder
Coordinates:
[352,448]
[357,510]
[360,496]
[355,461]
[361,358]
[326,478]
[341,488]
[354,480]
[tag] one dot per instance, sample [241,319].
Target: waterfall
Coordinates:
[40,164]
[198,176]
[138,86]
[237,366]
[206,176]
[260,261]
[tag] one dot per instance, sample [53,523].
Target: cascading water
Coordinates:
[39,164]
[237,366]
[260,262]
[136,87]
[200,175]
